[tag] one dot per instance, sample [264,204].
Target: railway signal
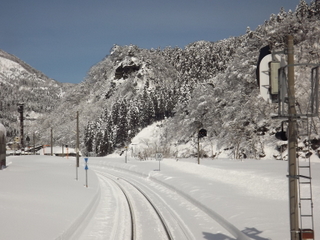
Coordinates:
[159,158]
[277,85]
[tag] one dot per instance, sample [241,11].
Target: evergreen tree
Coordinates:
[146,109]
[115,113]
[314,10]
[88,138]
[122,130]
[99,143]
[133,119]
[302,11]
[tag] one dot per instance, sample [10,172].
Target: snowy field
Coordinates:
[222,199]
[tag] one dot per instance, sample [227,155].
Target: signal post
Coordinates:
[292,144]
[277,85]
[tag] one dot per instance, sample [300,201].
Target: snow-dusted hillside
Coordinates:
[209,85]
[216,89]
[7,67]
[20,83]
[130,78]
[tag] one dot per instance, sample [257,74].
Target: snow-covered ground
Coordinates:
[41,198]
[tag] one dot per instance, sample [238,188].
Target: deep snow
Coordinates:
[41,199]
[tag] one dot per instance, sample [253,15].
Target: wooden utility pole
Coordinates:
[77,146]
[51,143]
[198,148]
[34,143]
[292,143]
[20,110]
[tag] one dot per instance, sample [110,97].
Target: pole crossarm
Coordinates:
[302,64]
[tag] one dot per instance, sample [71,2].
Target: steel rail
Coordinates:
[164,224]
[132,216]
[131,208]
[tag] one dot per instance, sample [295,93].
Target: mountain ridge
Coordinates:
[21,83]
[207,84]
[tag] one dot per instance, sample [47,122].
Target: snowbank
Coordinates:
[41,198]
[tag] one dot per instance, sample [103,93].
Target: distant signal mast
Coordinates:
[20,110]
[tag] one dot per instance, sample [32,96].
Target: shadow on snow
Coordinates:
[250,232]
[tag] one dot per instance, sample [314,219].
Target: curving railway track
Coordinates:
[137,206]
[142,223]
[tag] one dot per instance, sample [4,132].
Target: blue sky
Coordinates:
[64,38]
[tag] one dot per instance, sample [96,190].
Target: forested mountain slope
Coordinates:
[20,83]
[209,85]
[215,88]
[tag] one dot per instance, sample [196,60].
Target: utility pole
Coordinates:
[77,150]
[77,147]
[198,148]
[51,143]
[34,143]
[292,143]
[20,110]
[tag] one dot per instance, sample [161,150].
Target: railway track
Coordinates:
[145,218]
[184,217]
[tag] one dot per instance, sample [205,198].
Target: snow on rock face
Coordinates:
[8,65]
[123,71]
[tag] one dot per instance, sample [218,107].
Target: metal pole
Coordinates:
[86,177]
[51,143]
[126,157]
[86,168]
[20,110]
[77,150]
[21,128]
[34,143]
[292,142]
[77,146]
[198,148]
[77,173]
